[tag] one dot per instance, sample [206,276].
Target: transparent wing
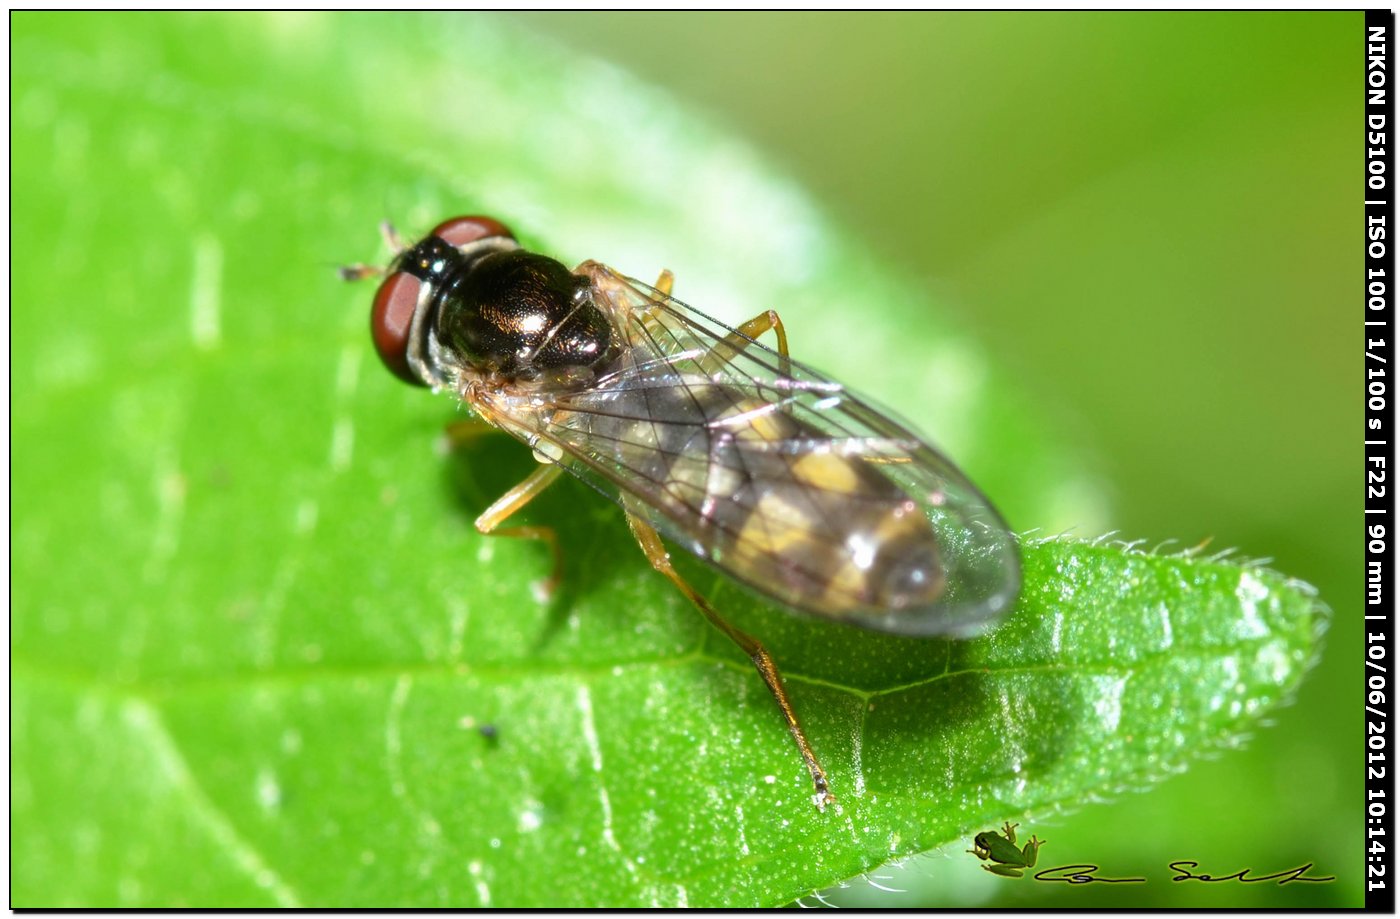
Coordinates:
[779,476]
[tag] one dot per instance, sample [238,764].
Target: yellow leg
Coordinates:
[756,326]
[735,342]
[738,340]
[510,502]
[656,553]
[665,281]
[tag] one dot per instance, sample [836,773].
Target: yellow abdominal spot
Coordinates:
[773,525]
[768,426]
[827,472]
[753,419]
[848,583]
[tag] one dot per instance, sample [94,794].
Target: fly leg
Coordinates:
[489,523]
[665,281]
[732,344]
[465,431]
[741,338]
[738,340]
[768,319]
[656,553]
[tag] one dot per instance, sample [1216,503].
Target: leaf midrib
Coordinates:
[80,681]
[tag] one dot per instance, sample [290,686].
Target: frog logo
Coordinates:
[1000,848]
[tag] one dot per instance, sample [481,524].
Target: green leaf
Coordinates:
[255,637]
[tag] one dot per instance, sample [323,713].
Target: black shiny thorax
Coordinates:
[509,312]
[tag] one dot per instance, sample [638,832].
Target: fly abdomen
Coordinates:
[756,490]
[838,536]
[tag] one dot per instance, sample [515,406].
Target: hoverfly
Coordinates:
[762,467]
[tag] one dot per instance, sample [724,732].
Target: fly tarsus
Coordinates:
[660,559]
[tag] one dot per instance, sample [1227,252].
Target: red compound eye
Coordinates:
[462,230]
[390,321]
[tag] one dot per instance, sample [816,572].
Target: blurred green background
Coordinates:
[1148,219]
[1151,218]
